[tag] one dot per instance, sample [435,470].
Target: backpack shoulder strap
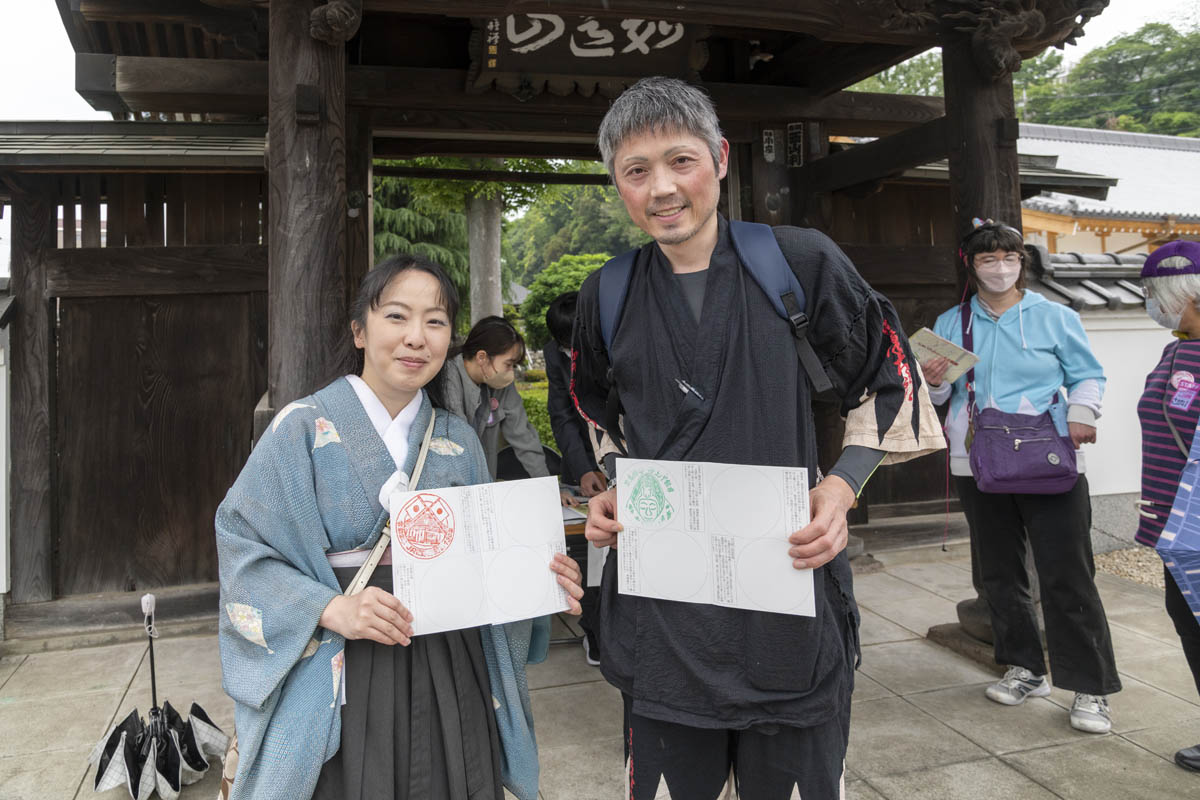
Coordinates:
[759,253]
[614,284]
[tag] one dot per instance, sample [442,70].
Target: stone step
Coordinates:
[924,537]
[93,620]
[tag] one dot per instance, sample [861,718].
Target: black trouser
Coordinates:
[1058,528]
[1186,625]
[767,762]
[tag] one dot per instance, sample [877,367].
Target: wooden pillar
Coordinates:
[360,223]
[769,178]
[982,134]
[34,233]
[309,340]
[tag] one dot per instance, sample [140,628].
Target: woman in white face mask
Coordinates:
[1008,421]
[1168,411]
[479,388]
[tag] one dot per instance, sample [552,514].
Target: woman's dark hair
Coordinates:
[370,292]
[560,317]
[494,336]
[988,238]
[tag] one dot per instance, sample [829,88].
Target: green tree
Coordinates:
[921,75]
[1128,84]
[564,275]
[484,204]
[569,219]
[406,222]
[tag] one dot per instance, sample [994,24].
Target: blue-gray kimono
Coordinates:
[310,487]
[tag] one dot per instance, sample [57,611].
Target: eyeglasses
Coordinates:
[1010,260]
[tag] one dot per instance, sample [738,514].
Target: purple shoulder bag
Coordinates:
[1016,453]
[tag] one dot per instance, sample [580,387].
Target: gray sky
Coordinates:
[38,65]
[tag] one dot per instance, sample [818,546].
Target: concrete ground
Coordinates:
[921,725]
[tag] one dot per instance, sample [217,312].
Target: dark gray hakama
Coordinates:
[418,722]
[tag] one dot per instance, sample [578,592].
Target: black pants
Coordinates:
[1058,528]
[767,762]
[1186,625]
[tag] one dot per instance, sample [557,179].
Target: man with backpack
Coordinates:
[707,345]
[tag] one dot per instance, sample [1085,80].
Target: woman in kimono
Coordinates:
[479,388]
[334,696]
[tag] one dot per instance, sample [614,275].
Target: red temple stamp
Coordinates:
[424,526]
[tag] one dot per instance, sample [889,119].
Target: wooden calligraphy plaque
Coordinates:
[525,54]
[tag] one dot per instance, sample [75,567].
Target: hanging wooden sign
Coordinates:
[524,54]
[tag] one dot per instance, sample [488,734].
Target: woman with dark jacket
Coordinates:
[1168,412]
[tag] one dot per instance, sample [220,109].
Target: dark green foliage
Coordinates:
[535,375]
[1146,81]
[564,275]
[921,75]
[407,222]
[534,399]
[567,220]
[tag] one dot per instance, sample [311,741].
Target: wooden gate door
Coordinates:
[161,350]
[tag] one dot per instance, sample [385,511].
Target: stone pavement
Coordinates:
[921,725]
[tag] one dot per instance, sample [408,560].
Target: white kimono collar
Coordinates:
[393,432]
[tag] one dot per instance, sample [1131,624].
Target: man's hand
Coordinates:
[592,483]
[566,498]
[371,614]
[819,541]
[934,370]
[1081,434]
[602,526]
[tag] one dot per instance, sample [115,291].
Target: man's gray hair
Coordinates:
[655,105]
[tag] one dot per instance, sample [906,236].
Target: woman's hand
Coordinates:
[602,526]
[571,579]
[821,540]
[1081,434]
[566,498]
[371,614]
[935,370]
[592,483]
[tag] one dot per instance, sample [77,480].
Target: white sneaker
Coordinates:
[592,654]
[1090,713]
[1017,684]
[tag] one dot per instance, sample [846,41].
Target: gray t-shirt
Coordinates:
[693,284]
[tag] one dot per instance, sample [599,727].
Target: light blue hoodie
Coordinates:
[1025,358]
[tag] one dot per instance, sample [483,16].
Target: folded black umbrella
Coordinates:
[163,755]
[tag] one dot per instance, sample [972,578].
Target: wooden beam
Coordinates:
[34,236]
[190,85]
[215,85]
[903,265]
[825,19]
[882,158]
[141,271]
[175,12]
[495,175]
[391,147]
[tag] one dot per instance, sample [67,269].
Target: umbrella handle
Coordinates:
[151,634]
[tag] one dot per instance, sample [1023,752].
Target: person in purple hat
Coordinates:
[1168,412]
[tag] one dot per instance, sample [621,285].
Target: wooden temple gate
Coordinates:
[141,326]
[345,82]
